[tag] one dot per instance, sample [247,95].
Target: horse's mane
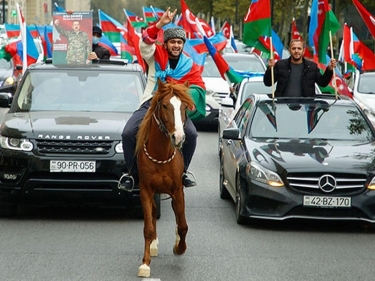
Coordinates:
[164,90]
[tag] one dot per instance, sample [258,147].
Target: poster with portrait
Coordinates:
[72,37]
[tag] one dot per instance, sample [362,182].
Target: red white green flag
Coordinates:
[257,21]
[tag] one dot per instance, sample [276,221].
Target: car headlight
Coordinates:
[118,148]
[15,144]
[9,81]
[371,185]
[261,174]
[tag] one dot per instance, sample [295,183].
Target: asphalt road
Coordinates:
[95,244]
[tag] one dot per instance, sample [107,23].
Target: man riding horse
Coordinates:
[168,63]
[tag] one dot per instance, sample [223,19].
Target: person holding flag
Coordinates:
[296,76]
[168,63]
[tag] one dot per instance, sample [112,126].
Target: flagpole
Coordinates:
[334,74]
[272,73]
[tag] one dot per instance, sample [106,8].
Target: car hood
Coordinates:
[65,125]
[312,155]
[216,84]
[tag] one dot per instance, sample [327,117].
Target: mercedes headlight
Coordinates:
[261,174]
[15,144]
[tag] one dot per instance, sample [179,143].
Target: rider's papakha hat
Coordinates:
[173,33]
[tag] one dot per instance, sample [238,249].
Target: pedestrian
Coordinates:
[296,76]
[79,46]
[168,63]
[98,52]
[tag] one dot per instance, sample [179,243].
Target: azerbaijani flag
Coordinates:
[218,40]
[47,37]
[127,52]
[34,31]
[226,72]
[106,43]
[16,48]
[29,51]
[12,30]
[257,21]
[323,24]
[134,19]
[32,53]
[111,27]
[263,45]
[149,14]
[338,83]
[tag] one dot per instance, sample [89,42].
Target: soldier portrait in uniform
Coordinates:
[72,37]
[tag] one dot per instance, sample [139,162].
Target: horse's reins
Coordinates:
[163,129]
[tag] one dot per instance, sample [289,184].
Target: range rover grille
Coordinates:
[74,147]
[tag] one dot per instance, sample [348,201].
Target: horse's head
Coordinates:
[173,100]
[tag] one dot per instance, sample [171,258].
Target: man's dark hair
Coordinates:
[97,29]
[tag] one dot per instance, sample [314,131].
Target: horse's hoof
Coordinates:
[177,252]
[144,271]
[154,248]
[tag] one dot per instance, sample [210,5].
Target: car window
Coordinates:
[243,116]
[366,84]
[246,63]
[257,87]
[80,91]
[315,120]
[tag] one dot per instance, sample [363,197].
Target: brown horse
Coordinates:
[160,164]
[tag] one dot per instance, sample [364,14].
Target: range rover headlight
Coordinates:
[264,175]
[9,81]
[15,144]
[118,148]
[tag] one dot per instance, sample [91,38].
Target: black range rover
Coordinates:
[60,141]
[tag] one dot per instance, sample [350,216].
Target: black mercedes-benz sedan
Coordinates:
[309,158]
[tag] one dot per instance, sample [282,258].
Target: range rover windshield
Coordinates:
[77,90]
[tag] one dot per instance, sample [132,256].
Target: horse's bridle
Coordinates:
[163,129]
[158,120]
